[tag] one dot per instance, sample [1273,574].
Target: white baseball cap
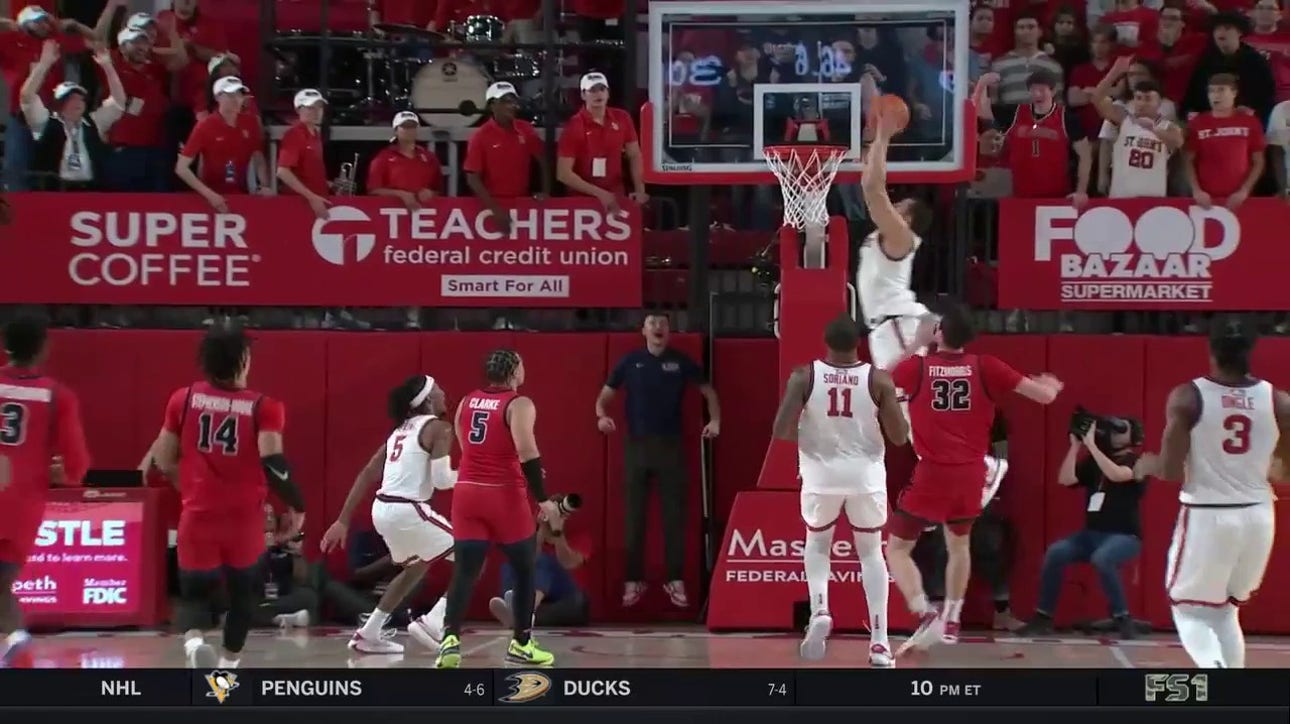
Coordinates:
[591,80]
[309,97]
[140,21]
[66,88]
[129,35]
[33,14]
[405,117]
[217,61]
[230,84]
[501,89]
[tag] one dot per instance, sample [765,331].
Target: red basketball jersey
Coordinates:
[219,452]
[488,455]
[952,398]
[1038,149]
[39,418]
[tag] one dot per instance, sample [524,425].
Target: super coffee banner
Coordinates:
[174,249]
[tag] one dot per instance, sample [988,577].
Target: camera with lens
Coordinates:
[1082,420]
[569,503]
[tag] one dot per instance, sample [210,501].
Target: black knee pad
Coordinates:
[197,591]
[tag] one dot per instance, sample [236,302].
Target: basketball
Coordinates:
[895,109]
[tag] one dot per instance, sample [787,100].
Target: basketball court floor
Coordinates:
[667,647]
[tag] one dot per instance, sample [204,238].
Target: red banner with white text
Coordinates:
[1142,254]
[173,249]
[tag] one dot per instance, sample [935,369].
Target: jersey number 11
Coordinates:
[839,402]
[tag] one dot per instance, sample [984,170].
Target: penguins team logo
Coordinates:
[222,683]
[526,686]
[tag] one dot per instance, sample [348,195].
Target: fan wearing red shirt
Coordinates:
[222,442]
[1270,37]
[300,155]
[593,144]
[500,154]
[20,48]
[952,396]
[1085,77]
[204,38]
[1224,148]
[405,170]
[229,144]
[1179,50]
[1136,27]
[42,443]
[138,162]
[202,101]
[1038,142]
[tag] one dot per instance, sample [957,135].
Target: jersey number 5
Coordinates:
[951,395]
[478,426]
[839,402]
[209,435]
[13,423]
[1237,441]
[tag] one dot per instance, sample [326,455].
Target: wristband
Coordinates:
[533,475]
[278,475]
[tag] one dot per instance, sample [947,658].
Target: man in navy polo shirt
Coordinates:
[655,378]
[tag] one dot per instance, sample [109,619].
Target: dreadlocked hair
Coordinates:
[223,351]
[500,366]
[398,404]
[1231,342]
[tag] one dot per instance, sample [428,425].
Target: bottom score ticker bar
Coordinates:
[902,688]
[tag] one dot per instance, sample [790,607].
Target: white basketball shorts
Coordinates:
[412,531]
[866,512]
[888,340]
[1218,555]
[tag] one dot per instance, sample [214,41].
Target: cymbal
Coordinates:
[400,29]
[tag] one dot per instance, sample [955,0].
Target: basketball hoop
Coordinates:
[805,173]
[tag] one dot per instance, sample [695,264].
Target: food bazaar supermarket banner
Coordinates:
[1142,254]
[174,249]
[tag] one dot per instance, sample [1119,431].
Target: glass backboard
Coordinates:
[727,79]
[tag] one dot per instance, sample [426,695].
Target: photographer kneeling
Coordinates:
[1112,534]
[558,600]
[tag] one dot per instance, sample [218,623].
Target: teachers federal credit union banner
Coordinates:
[1142,254]
[174,249]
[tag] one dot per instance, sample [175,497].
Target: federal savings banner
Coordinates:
[174,249]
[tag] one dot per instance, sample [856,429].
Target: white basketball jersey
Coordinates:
[839,442]
[407,464]
[885,283]
[1139,163]
[1231,445]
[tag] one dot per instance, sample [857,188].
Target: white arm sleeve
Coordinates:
[442,476]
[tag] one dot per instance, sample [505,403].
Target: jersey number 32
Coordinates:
[951,395]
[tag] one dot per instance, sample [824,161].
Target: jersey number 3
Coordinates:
[1237,441]
[13,423]
[951,395]
[223,435]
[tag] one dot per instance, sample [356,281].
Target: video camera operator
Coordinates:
[1112,532]
[559,600]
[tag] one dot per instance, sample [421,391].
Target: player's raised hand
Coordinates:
[334,538]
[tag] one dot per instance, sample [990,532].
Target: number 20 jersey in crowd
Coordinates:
[219,453]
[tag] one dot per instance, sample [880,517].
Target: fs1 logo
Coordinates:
[1177,688]
[102,596]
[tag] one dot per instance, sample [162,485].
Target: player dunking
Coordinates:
[412,464]
[952,399]
[42,443]
[500,469]
[832,408]
[222,442]
[1221,435]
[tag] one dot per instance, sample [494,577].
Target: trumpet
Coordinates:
[344,184]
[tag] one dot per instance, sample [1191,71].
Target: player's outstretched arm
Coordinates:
[1182,410]
[894,422]
[790,408]
[1040,388]
[894,234]
[1280,473]
[338,531]
[436,437]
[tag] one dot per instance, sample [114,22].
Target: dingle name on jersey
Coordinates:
[210,403]
[1238,402]
[841,378]
[1145,143]
[484,403]
[946,371]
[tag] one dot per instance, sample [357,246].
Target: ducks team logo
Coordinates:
[526,686]
[222,683]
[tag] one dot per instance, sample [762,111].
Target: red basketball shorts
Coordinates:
[499,514]
[18,527]
[939,494]
[210,541]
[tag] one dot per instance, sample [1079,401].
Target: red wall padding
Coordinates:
[334,385]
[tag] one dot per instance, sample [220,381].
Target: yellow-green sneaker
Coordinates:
[449,653]
[528,654]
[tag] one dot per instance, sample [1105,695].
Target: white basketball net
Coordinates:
[805,174]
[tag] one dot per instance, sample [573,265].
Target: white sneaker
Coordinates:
[501,609]
[880,657]
[930,629]
[676,591]
[299,619]
[632,593]
[382,645]
[817,633]
[202,656]
[427,632]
